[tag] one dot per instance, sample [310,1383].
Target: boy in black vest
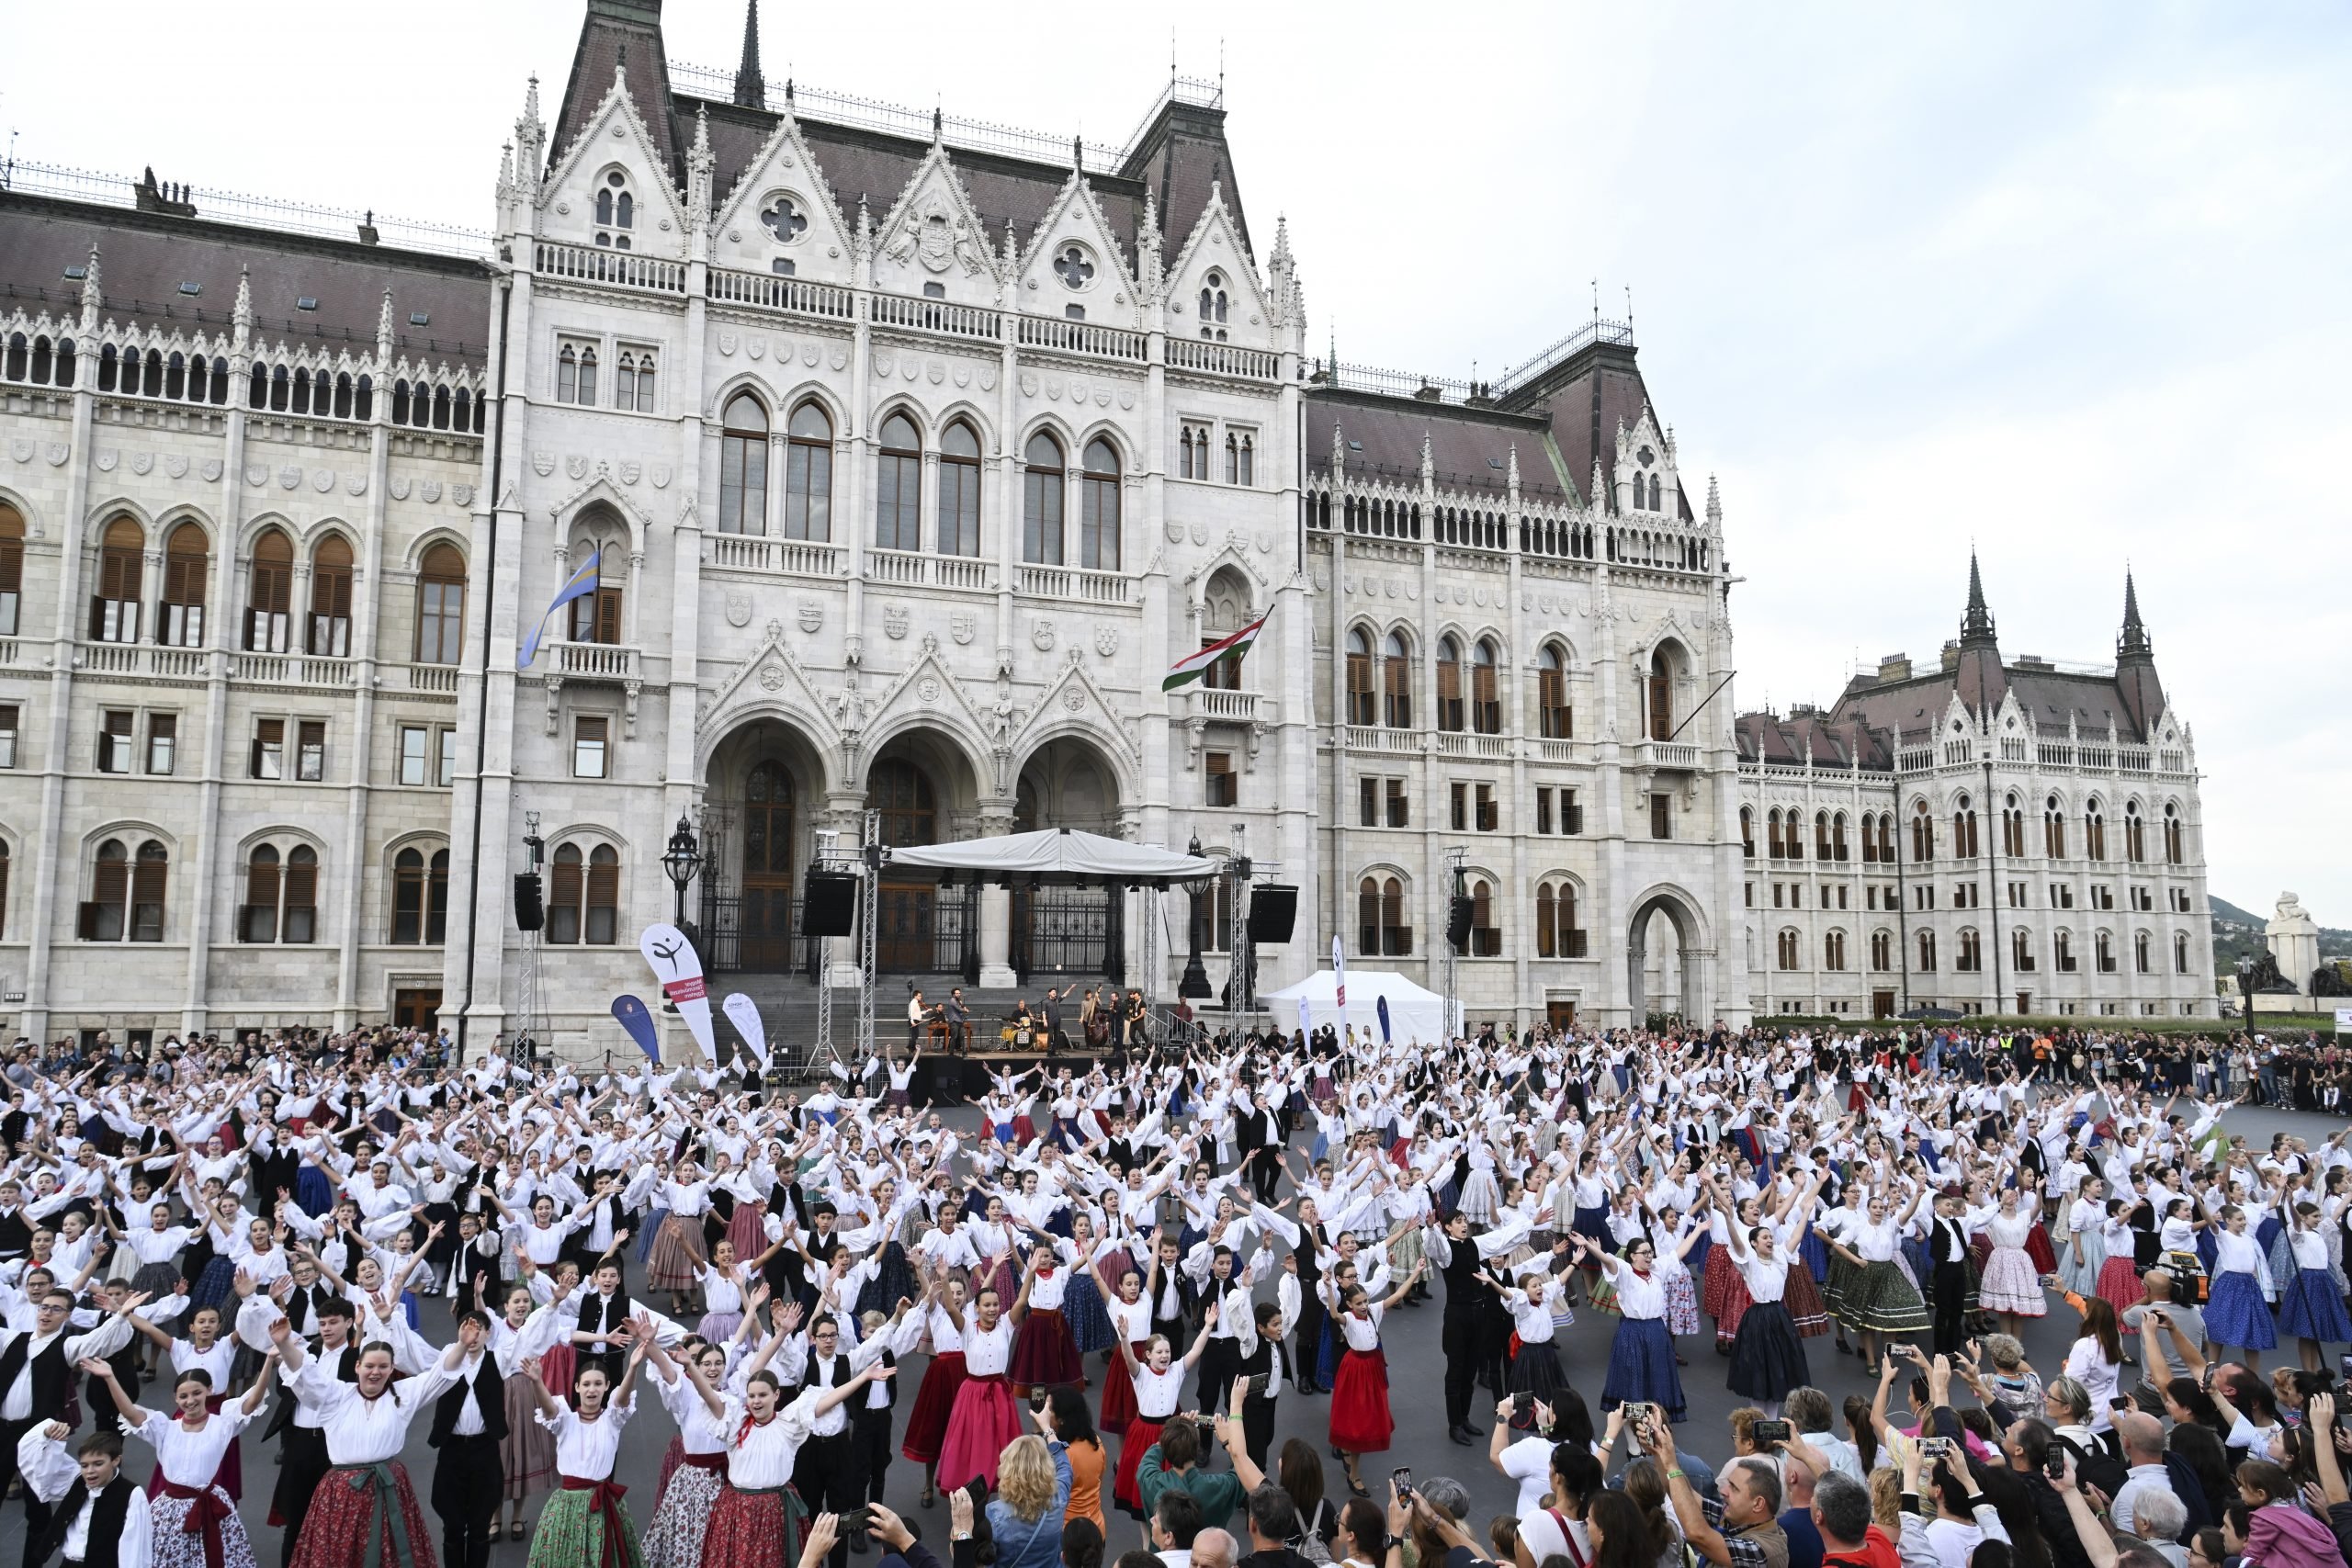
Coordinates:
[96,1508]
[37,1373]
[302,1449]
[469,1423]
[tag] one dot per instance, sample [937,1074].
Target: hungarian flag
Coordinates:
[1194,666]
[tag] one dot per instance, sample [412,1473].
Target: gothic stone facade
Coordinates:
[907,463]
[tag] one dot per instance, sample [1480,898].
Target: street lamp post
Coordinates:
[1194,986]
[2245,993]
[683,861]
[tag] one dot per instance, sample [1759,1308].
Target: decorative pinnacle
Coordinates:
[1978,622]
[2134,640]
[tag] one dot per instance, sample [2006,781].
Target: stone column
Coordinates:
[996,907]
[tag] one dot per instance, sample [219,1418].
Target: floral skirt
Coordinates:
[2119,1282]
[344,1515]
[176,1547]
[2010,1285]
[675,1538]
[570,1532]
[1883,1300]
[754,1529]
[1681,1303]
[677,1251]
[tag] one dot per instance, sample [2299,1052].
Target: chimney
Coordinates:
[1895,666]
[1951,656]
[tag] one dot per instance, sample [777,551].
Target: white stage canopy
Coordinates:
[1060,857]
[1415,1016]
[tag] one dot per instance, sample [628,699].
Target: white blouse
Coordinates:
[1362,1333]
[585,1449]
[988,1351]
[1156,1393]
[191,1459]
[759,1458]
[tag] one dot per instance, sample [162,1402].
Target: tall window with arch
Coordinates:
[1923,834]
[596,615]
[1553,720]
[1821,835]
[441,605]
[1972,952]
[1213,306]
[1833,953]
[1882,952]
[633,381]
[1098,528]
[576,376]
[2054,829]
[419,897]
[2062,952]
[1397,681]
[583,895]
[1661,696]
[2094,831]
[1886,838]
[330,630]
[1452,712]
[2103,949]
[1926,945]
[1869,839]
[281,894]
[743,466]
[114,606]
[1837,837]
[2141,944]
[126,893]
[898,486]
[1485,937]
[1380,917]
[1775,845]
[186,564]
[809,474]
[2013,830]
[12,567]
[960,491]
[1963,830]
[2179,944]
[2172,834]
[2135,833]
[1747,831]
[269,594]
[1486,694]
[616,211]
[1790,953]
[2021,950]
[1557,935]
[1362,707]
[1041,484]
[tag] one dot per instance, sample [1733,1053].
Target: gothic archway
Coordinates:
[1067,935]
[763,794]
[1666,923]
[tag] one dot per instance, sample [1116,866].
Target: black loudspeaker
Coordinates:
[1457,923]
[1273,909]
[831,907]
[530,913]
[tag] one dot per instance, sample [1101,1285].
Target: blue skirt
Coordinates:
[1641,1368]
[654,1223]
[1089,1324]
[211,1287]
[1815,1254]
[1326,1360]
[313,1194]
[2312,1309]
[1594,1222]
[2236,1314]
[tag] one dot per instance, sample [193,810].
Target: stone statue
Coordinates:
[2292,937]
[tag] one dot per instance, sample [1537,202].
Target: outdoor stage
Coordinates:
[957,1081]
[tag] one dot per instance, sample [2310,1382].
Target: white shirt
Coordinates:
[51,1475]
[760,1458]
[585,1449]
[98,1344]
[360,1430]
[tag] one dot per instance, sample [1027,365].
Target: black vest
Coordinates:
[489,1394]
[107,1516]
[841,1375]
[596,1315]
[16,1236]
[301,1307]
[53,1375]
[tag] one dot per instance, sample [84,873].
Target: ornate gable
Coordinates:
[783,208]
[772,676]
[1072,700]
[1073,258]
[1214,270]
[616,142]
[1645,458]
[933,235]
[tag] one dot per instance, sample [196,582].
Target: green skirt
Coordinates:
[1879,1300]
[569,1535]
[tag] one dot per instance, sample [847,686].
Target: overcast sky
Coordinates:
[2067,282]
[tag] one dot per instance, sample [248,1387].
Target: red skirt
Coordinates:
[927,1426]
[1044,1354]
[1714,1277]
[343,1515]
[1118,1397]
[1803,1301]
[670,1458]
[747,1231]
[753,1530]
[2038,1247]
[1360,1423]
[2119,1282]
[984,1421]
[1141,1433]
[1735,1303]
[559,1369]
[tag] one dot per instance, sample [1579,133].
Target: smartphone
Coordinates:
[857,1522]
[1401,1478]
[1768,1433]
[1930,1448]
[1037,1400]
[2055,1467]
[1259,1384]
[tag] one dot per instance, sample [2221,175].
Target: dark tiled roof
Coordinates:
[144,257]
[1592,392]
[1912,709]
[1469,448]
[1768,739]
[1183,156]
[610,32]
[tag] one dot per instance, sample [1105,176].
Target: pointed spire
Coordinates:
[751,87]
[1148,267]
[530,142]
[93,297]
[938,127]
[1977,624]
[1012,249]
[701,165]
[384,330]
[243,312]
[1597,498]
[2135,642]
[1429,458]
[1510,472]
[1714,506]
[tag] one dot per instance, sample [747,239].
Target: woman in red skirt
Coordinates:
[1154,1383]
[1361,1422]
[983,1420]
[1044,1354]
[1131,1322]
[942,1314]
[365,1507]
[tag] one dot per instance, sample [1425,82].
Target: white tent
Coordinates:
[1415,1016]
[1059,857]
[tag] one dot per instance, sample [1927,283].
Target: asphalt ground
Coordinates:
[1416,1370]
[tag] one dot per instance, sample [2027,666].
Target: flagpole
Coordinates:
[482,705]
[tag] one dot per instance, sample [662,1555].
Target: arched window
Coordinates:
[187,553]
[1747,831]
[1923,834]
[1821,835]
[1361,708]
[1963,830]
[441,606]
[2054,829]
[1557,932]
[1774,846]
[1397,681]
[2012,830]
[1833,953]
[1793,841]
[596,615]
[1213,305]
[1886,838]
[2142,946]
[2021,950]
[2179,939]
[2103,949]
[809,474]
[632,382]
[1926,951]
[1042,483]
[1485,937]
[12,567]
[1869,839]
[126,893]
[269,595]
[2135,835]
[743,467]
[2172,835]
[331,598]
[114,608]
[959,492]
[1450,709]
[1380,917]
[1554,721]
[2095,831]
[1486,700]
[1098,529]
[1882,952]
[898,486]
[1789,951]
[1661,697]
[1185,457]
[420,898]
[281,896]
[1972,953]
[2062,952]
[1837,837]
[616,211]
[583,895]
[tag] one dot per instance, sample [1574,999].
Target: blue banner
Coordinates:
[579,585]
[635,1018]
[1384,1020]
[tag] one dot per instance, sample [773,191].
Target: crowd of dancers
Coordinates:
[330,1245]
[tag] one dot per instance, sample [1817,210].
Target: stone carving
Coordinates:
[1265,541]
[962,626]
[812,615]
[1054,389]
[727,343]
[109,457]
[211,470]
[988,378]
[936,235]
[544,462]
[1074,698]
[839,360]
[907,369]
[290,477]
[21,450]
[323,480]
[1101,397]
[175,466]
[357,484]
[1040,633]
[1106,640]
[1200,533]
[576,465]
[1412,590]
[883,362]
[56,451]
[963,375]
[430,490]
[757,348]
[399,488]
[1126,398]
[462,494]
[142,462]
[739,609]
[894,622]
[927,690]
[631,473]
[1028,384]
[809,354]
[772,676]
[935,372]
[1077,391]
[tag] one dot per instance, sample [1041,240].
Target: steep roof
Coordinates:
[1469,448]
[1807,733]
[1586,398]
[619,35]
[144,257]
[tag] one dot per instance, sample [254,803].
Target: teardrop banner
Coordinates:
[679,970]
